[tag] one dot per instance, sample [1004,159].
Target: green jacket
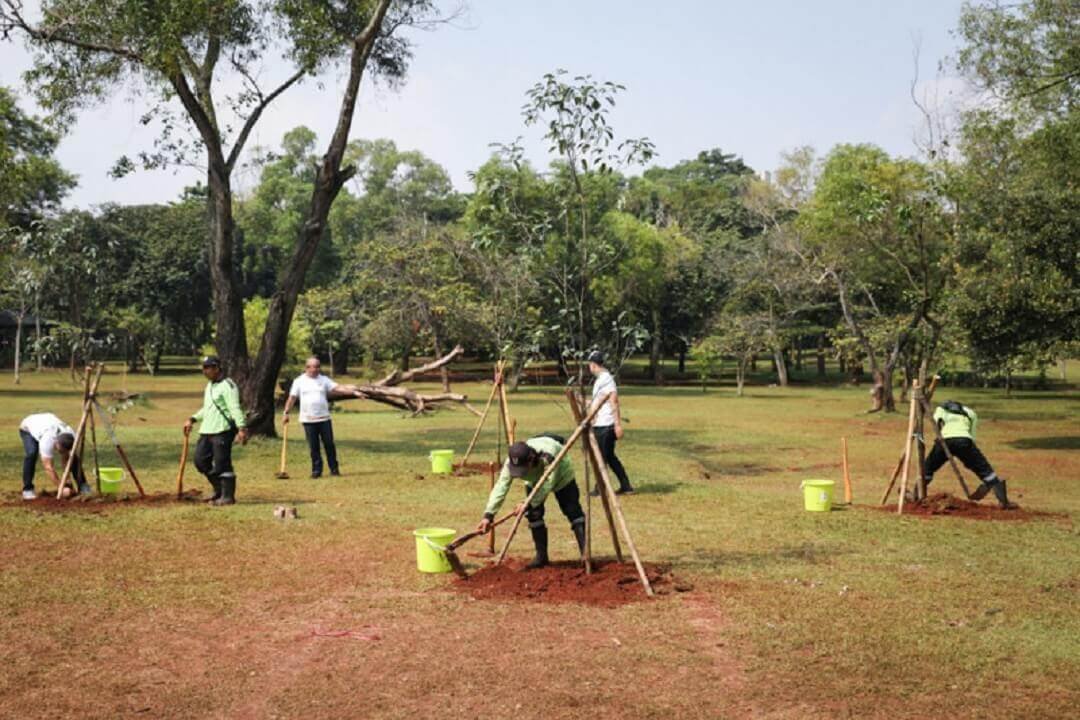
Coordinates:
[218,396]
[560,478]
[956,425]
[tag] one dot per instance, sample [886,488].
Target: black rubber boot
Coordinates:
[980,492]
[579,535]
[540,540]
[228,491]
[1002,495]
[216,484]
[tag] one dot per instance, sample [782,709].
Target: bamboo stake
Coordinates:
[507,420]
[920,440]
[907,451]
[119,450]
[900,462]
[491,486]
[575,408]
[90,387]
[847,474]
[582,426]
[484,414]
[614,500]
[93,444]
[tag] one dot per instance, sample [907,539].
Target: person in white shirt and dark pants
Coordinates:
[607,425]
[312,390]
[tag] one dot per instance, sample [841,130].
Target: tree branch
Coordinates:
[12,19]
[241,139]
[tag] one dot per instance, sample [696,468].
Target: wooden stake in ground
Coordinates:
[483,415]
[119,449]
[900,461]
[847,474]
[93,445]
[575,408]
[614,500]
[907,449]
[510,423]
[90,388]
[547,471]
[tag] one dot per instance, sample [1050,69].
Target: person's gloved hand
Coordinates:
[484,525]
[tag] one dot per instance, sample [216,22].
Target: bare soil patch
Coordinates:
[48,503]
[947,504]
[611,584]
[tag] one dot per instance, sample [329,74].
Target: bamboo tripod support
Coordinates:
[90,405]
[924,401]
[575,408]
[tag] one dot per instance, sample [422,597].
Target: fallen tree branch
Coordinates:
[388,391]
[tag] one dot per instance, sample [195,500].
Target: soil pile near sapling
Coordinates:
[947,504]
[472,468]
[99,503]
[611,584]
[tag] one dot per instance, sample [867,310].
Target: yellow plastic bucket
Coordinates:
[430,544]
[817,495]
[111,477]
[442,461]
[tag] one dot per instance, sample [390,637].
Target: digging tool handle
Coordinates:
[284,446]
[582,426]
[183,464]
[477,533]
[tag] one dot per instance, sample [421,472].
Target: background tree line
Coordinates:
[967,248]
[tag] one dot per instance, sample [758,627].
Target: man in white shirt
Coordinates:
[312,390]
[607,425]
[50,437]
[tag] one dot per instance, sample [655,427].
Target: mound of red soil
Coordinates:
[946,504]
[611,584]
[98,503]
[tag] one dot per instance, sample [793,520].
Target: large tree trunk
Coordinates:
[257,388]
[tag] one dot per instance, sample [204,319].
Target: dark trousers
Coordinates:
[605,440]
[569,499]
[316,432]
[213,455]
[30,458]
[964,450]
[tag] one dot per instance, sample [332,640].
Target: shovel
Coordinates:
[450,550]
[281,474]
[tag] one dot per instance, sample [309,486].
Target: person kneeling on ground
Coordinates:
[221,420]
[957,423]
[528,460]
[46,435]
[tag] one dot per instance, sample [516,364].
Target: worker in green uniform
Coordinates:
[528,460]
[221,420]
[957,424]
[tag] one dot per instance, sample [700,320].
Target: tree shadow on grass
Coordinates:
[660,488]
[1058,442]
[804,554]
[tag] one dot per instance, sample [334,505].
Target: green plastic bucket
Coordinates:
[430,544]
[442,461]
[817,495]
[111,477]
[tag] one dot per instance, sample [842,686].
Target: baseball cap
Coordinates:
[520,458]
[211,361]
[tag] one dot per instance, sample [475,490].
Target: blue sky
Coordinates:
[753,78]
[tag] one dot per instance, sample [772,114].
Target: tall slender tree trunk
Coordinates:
[682,357]
[37,333]
[18,344]
[740,374]
[781,367]
[821,355]
[339,363]
[657,345]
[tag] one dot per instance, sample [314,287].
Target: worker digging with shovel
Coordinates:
[528,460]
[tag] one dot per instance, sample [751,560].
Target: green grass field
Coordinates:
[177,610]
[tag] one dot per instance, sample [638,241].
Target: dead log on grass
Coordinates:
[388,391]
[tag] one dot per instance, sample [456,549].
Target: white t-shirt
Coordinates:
[311,392]
[605,383]
[45,428]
